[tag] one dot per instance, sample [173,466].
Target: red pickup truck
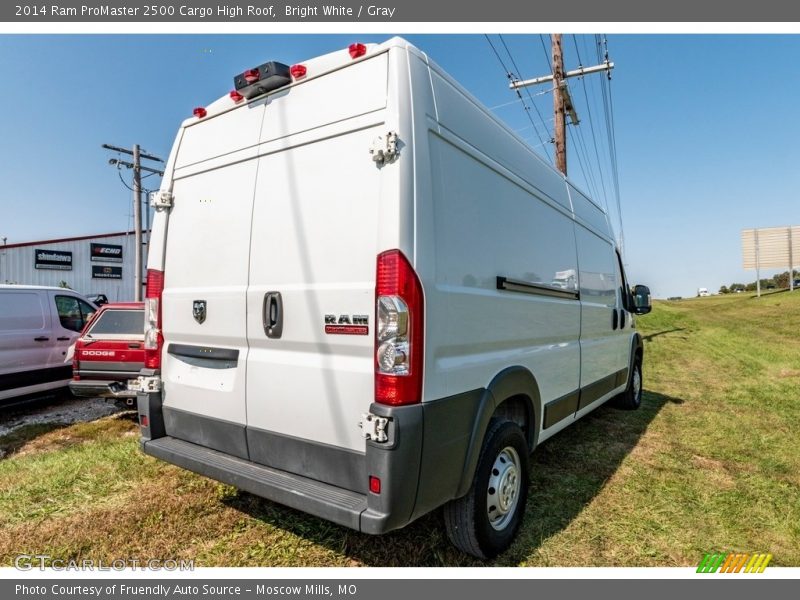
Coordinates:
[109,352]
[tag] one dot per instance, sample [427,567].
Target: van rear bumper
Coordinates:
[314,497]
[420,468]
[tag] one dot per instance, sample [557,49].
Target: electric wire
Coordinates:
[510,76]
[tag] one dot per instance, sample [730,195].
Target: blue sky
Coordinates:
[706,129]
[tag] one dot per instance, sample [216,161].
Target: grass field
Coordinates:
[711,461]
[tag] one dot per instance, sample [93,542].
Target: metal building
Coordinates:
[90,264]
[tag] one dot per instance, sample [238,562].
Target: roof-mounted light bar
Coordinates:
[262,79]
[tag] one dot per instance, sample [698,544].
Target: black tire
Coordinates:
[467,519]
[631,398]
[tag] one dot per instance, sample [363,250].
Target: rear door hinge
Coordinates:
[384,148]
[374,428]
[161,199]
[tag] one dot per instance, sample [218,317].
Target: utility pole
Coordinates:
[137,167]
[562,102]
[560,127]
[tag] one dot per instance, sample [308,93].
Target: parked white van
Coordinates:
[37,327]
[368,298]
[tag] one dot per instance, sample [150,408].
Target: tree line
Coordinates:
[779,281]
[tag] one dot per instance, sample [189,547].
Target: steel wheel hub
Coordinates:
[637,383]
[502,494]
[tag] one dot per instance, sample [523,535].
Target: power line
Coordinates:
[510,76]
[527,91]
[591,126]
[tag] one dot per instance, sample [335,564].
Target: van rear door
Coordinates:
[310,304]
[205,282]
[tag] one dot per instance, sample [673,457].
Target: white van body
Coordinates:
[277,209]
[37,327]
[702,292]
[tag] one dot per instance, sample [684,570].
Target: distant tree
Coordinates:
[724,290]
[736,286]
[64,284]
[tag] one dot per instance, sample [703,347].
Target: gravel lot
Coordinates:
[62,408]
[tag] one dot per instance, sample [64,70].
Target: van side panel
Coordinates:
[488,224]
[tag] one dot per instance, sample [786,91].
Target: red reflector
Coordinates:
[145,422]
[199,112]
[251,75]
[236,96]
[298,71]
[374,484]
[357,50]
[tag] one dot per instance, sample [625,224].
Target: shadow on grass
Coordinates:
[567,472]
[649,337]
[19,437]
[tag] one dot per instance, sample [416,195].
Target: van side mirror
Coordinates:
[641,299]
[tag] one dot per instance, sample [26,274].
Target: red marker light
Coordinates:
[357,50]
[251,75]
[374,484]
[199,112]
[298,71]
[145,422]
[236,96]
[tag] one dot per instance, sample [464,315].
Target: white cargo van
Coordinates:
[368,298]
[37,327]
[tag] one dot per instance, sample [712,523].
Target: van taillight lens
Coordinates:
[153,340]
[298,71]
[357,50]
[399,340]
[251,75]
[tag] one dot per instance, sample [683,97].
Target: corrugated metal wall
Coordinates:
[17,266]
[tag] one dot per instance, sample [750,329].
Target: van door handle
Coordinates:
[272,315]
[41,338]
[614,320]
[63,339]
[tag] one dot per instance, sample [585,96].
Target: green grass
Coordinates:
[711,461]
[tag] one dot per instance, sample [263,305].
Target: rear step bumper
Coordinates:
[93,388]
[319,499]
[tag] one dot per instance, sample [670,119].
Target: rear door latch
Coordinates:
[384,148]
[374,428]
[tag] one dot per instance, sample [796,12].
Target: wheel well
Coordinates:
[517,409]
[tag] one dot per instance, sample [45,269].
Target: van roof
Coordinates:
[14,286]
[326,63]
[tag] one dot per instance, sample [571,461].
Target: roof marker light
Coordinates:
[357,50]
[199,112]
[298,71]
[251,75]
[236,96]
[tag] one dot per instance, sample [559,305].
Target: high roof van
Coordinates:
[37,327]
[368,298]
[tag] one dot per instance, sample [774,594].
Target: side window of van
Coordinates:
[21,311]
[72,312]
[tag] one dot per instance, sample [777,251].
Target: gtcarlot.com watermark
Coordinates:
[29,562]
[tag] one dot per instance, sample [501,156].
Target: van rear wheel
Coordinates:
[485,521]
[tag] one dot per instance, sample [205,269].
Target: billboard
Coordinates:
[770,247]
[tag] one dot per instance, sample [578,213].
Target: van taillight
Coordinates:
[399,340]
[75,365]
[153,340]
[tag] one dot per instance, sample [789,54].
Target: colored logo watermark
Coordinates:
[719,562]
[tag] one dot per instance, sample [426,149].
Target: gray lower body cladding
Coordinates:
[420,468]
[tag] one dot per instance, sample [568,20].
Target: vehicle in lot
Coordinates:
[37,326]
[386,322]
[702,292]
[109,353]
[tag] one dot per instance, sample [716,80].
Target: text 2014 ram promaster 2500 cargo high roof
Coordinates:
[356,301]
